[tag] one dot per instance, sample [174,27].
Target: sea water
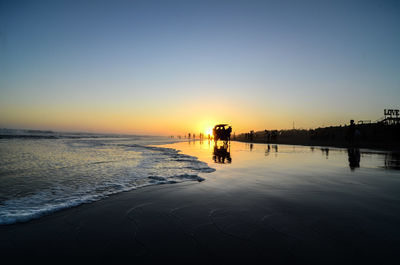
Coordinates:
[43,171]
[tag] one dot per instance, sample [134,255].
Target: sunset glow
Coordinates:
[208,132]
[200,131]
[195,65]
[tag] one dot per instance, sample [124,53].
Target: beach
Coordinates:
[199,132]
[269,204]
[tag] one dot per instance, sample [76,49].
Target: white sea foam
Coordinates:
[39,177]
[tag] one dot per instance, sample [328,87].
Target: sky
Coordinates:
[172,67]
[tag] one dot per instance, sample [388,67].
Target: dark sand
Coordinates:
[237,215]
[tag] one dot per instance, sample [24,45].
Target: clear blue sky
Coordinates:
[81,65]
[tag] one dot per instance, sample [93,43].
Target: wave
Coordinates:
[81,172]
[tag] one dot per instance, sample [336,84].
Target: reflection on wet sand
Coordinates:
[354,158]
[326,152]
[222,153]
[268,149]
[392,161]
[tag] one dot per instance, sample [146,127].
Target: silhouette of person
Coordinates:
[251,135]
[351,132]
[229,131]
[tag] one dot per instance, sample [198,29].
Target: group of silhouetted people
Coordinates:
[193,136]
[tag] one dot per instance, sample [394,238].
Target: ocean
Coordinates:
[43,171]
[282,203]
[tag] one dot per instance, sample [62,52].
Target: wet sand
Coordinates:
[291,205]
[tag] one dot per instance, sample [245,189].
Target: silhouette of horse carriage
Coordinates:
[222,133]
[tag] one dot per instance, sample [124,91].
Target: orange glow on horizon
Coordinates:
[197,117]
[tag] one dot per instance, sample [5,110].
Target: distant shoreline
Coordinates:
[370,136]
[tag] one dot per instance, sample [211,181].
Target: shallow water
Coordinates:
[318,204]
[283,204]
[44,174]
[39,175]
[334,181]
